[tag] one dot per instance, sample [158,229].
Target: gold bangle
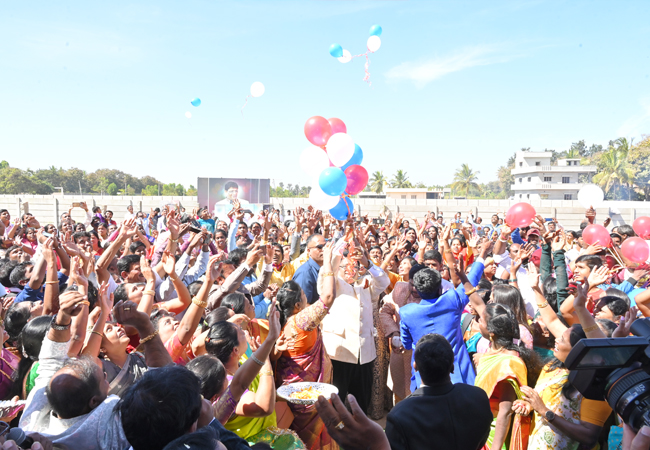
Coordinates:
[327,274]
[52,282]
[542,305]
[199,303]
[173,240]
[98,333]
[84,302]
[147,339]
[591,328]
[149,292]
[471,291]
[266,373]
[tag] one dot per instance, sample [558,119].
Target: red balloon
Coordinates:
[641,227]
[596,234]
[318,130]
[635,249]
[357,179]
[520,215]
[337,125]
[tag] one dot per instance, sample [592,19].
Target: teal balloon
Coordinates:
[336,50]
[343,209]
[196,101]
[375,30]
[333,181]
[357,158]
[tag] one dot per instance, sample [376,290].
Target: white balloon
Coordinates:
[188,114]
[257,89]
[319,199]
[374,43]
[591,195]
[313,160]
[346,58]
[340,149]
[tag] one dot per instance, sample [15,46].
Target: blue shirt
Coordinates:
[307,276]
[208,224]
[441,315]
[261,303]
[30,295]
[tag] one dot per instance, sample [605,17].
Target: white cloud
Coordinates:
[637,125]
[424,72]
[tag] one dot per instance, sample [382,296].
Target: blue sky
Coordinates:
[107,84]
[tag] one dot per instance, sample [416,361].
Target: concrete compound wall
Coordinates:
[48,208]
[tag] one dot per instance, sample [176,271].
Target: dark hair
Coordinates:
[79,234]
[120,294]
[617,306]
[72,399]
[626,230]
[194,287]
[135,246]
[613,292]
[591,261]
[461,240]
[279,247]
[211,372]
[169,398]
[576,335]
[222,340]
[311,238]
[549,289]
[607,326]
[18,273]
[427,282]
[230,185]
[124,263]
[202,439]
[17,317]
[511,297]
[615,235]
[502,323]
[220,231]
[158,315]
[434,358]
[432,254]
[236,257]
[235,301]
[5,271]
[484,283]
[289,295]
[218,314]
[29,345]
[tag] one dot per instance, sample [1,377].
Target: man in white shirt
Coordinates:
[348,329]
[129,213]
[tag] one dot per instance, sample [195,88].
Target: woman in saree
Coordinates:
[501,372]
[240,304]
[305,358]
[564,419]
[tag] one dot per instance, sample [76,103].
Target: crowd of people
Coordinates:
[171,329]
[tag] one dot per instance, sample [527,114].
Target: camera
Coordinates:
[616,370]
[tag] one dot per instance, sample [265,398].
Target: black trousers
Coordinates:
[355,379]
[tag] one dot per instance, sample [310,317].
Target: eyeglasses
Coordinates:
[319,247]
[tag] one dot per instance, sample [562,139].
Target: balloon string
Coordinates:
[347,205]
[246,103]
[367,66]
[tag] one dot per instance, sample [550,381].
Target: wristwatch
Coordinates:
[549,416]
[58,327]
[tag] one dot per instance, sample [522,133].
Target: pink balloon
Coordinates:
[520,215]
[318,130]
[635,249]
[596,234]
[337,125]
[357,179]
[641,227]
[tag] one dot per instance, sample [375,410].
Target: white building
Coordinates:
[537,179]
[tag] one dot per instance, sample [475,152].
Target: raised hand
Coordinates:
[533,276]
[71,304]
[559,241]
[623,329]
[598,276]
[580,299]
[146,269]
[212,271]
[169,262]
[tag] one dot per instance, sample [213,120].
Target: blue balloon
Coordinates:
[336,50]
[196,101]
[357,157]
[333,181]
[343,209]
[375,30]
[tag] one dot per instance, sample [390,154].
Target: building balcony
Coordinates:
[546,187]
[553,169]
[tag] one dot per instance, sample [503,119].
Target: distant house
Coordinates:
[536,179]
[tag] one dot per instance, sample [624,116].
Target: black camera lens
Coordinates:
[628,394]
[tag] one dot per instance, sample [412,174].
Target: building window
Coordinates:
[537,163]
[519,195]
[521,164]
[529,179]
[566,180]
[548,178]
[543,196]
[527,195]
[413,197]
[568,197]
[521,180]
[404,197]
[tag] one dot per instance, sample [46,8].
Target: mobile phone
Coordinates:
[46,234]
[9,408]
[454,226]
[76,204]
[193,229]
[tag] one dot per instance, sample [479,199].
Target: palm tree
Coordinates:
[465,179]
[613,168]
[377,182]
[400,180]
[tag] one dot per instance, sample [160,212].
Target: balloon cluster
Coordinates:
[334,161]
[373,44]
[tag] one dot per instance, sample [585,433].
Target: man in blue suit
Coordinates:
[441,314]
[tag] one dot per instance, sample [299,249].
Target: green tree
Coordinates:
[111,189]
[173,189]
[377,182]
[400,180]
[150,190]
[614,171]
[465,179]
[639,160]
[191,190]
